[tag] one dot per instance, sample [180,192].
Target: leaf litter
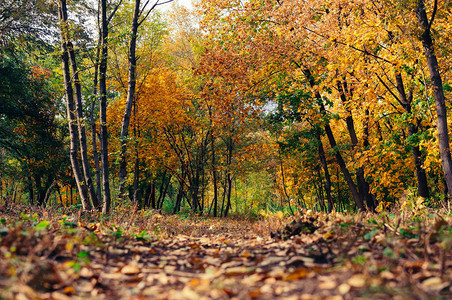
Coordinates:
[49,255]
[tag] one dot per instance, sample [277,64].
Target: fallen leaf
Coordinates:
[238,270]
[254,294]
[69,290]
[130,270]
[195,282]
[69,246]
[357,281]
[387,275]
[327,285]
[435,283]
[86,273]
[343,288]
[297,274]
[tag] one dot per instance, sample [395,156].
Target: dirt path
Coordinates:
[336,261]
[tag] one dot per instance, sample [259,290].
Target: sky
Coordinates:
[186,3]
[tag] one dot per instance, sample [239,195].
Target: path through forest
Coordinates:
[318,257]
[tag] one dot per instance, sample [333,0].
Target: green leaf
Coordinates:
[368,236]
[360,260]
[83,255]
[118,233]
[42,225]
[389,253]
[69,224]
[24,216]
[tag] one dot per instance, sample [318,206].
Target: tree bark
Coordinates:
[163,190]
[150,195]
[70,107]
[81,127]
[435,77]
[130,98]
[103,109]
[180,194]
[340,160]
[325,171]
[214,174]
[363,186]
[94,129]
[228,186]
[412,130]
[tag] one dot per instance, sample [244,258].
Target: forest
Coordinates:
[248,149]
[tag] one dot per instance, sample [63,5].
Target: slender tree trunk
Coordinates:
[214,175]
[435,77]
[421,176]
[366,144]
[94,129]
[103,109]
[30,190]
[363,186]
[81,128]
[70,107]
[130,98]
[162,192]
[320,189]
[150,195]
[224,198]
[228,179]
[340,160]
[180,195]
[150,202]
[325,171]
[48,190]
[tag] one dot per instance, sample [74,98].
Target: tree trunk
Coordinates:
[179,196]
[283,179]
[94,129]
[363,186]
[435,77]
[136,178]
[81,128]
[149,194]
[348,178]
[130,98]
[214,174]
[162,191]
[228,187]
[325,171]
[62,16]
[412,130]
[103,109]
[320,188]
[30,190]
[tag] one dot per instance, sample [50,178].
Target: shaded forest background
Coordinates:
[243,107]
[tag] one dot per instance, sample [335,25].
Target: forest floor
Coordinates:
[52,254]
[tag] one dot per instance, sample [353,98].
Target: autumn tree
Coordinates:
[355,59]
[140,14]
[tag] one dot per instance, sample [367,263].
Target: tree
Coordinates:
[70,105]
[437,85]
[140,15]
[30,135]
